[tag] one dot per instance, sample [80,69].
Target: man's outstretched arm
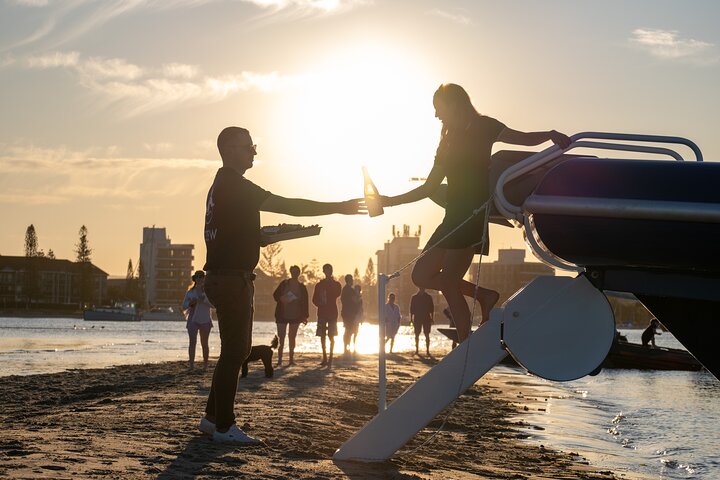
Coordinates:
[300,207]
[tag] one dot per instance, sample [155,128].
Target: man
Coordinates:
[232,237]
[325,298]
[422,311]
[349,311]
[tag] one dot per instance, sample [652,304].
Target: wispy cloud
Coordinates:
[30,3]
[64,20]
[59,175]
[136,90]
[670,45]
[458,16]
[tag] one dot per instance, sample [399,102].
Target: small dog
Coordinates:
[264,353]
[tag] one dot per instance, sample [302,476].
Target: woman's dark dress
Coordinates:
[464,157]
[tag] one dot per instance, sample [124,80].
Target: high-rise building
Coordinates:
[509,273]
[397,253]
[165,268]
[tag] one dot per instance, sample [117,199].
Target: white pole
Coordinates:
[382,381]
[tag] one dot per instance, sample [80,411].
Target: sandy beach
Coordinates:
[140,422]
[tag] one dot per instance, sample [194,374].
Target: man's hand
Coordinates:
[355,206]
[560,139]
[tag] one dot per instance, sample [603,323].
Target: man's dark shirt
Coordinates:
[421,305]
[348,299]
[232,222]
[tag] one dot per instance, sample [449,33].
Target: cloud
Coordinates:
[51,176]
[54,60]
[669,45]
[31,3]
[179,70]
[63,21]
[137,90]
[458,17]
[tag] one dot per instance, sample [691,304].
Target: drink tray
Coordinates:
[286,231]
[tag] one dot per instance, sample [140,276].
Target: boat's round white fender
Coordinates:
[558,328]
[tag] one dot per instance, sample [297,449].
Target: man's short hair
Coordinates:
[327,266]
[226,135]
[348,278]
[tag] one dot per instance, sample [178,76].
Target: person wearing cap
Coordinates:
[232,239]
[197,311]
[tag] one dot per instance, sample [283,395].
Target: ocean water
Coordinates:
[659,424]
[656,424]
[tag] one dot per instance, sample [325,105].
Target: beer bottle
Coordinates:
[372,197]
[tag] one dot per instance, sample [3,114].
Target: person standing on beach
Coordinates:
[391,317]
[463,157]
[232,238]
[325,298]
[291,310]
[359,315]
[348,312]
[197,311]
[422,311]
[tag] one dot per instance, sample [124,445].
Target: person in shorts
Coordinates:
[325,298]
[422,311]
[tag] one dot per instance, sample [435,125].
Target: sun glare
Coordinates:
[364,106]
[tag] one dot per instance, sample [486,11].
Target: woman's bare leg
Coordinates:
[291,340]
[281,328]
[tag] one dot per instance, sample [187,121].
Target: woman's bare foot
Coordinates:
[487,302]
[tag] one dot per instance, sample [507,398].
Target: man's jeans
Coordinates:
[232,297]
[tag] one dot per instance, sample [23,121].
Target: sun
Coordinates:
[365,105]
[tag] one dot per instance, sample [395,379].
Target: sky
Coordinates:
[109,110]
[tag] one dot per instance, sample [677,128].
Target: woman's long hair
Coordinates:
[453,94]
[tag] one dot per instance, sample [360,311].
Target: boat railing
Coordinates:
[519,213]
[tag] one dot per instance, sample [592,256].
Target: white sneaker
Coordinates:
[235,435]
[206,426]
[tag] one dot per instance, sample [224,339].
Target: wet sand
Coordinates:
[141,422]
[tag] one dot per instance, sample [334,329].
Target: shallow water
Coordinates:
[45,345]
[659,424]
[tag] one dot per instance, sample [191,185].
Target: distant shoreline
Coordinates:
[39,314]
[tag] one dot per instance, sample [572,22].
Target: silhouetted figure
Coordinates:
[463,157]
[391,317]
[422,310]
[348,312]
[360,315]
[232,238]
[325,298]
[291,310]
[648,335]
[197,311]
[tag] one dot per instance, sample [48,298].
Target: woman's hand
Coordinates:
[560,139]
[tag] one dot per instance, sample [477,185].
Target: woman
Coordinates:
[463,157]
[197,311]
[292,309]
[392,318]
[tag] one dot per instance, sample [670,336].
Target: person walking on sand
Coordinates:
[232,239]
[348,312]
[422,312]
[463,157]
[291,310]
[391,317]
[197,311]
[325,298]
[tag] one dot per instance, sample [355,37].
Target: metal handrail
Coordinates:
[543,157]
[515,212]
